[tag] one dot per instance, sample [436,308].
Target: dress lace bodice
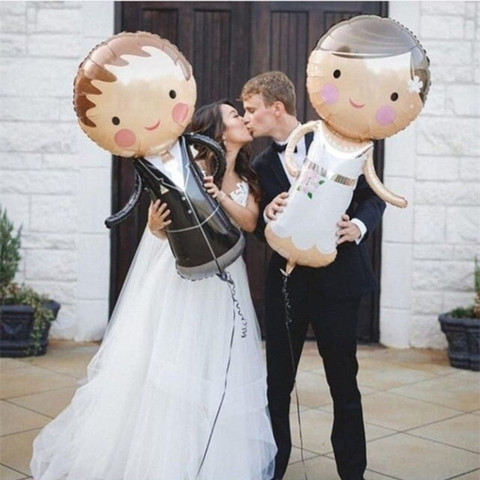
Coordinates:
[240,194]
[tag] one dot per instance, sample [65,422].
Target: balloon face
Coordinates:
[365,86]
[135,94]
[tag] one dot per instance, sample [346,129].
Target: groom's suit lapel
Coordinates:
[276,164]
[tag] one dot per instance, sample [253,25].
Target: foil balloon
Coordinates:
[367,79]
[134,95]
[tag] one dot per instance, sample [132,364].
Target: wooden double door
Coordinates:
[227,43]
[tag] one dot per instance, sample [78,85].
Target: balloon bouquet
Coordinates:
[367,78]
[134,95]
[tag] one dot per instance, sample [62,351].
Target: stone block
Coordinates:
[464,100]
[442,26]
[97,19]
[52,20]
[60,161]
[437,168]
[434,252]
[425,332]
[66,110]
[446,74]
[441,275]
[445,136]
[48,77]
[427,302]
[463,225]
[396,275]
[50,241]
[12,44]
[449,52]
[470,29]
[18,210]
[466,252]
[12,8]
[94,199]
[443,8]
[20,161]
[94,267]
[92,319]
[37,137]
[447,193]
[55,45]
[13,23]
[61,292]
[394,327]
[470,169]
[53,213]
[29,109]
[436,100]
[58,265]
[38,181]
[429,224]
[452,300]
[65,326]
[400,154]
[398,222]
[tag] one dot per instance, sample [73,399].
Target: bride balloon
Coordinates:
[367,78]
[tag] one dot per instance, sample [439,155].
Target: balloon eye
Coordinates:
[394,97]
[116,121]
[172,93]
[337,73]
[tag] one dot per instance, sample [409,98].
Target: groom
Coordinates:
[327,298]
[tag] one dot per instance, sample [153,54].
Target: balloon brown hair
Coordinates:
[110,53]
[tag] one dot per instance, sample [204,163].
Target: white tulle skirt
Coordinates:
[153,389]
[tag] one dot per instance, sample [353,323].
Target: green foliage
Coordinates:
[9,249]
[462,312]
[13,294]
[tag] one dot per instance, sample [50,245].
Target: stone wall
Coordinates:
[53,180]
[429,249]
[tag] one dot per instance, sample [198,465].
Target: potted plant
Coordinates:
[462,329]
[25,315]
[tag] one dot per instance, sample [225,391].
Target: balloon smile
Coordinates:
[356,105]
[153,127]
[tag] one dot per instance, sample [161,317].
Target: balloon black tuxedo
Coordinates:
[327,298]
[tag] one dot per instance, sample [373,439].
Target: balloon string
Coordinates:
[288,322]
[226,277]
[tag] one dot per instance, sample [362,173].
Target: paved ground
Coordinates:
[422,416]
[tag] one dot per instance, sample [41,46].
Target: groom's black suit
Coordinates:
[327,298]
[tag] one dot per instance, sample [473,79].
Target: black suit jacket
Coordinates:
[351,274]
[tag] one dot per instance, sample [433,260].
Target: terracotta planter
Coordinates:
[463,337]
[16,324]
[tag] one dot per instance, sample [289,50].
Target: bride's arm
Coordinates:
[245,217]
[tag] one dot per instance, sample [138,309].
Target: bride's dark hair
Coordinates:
[208,121]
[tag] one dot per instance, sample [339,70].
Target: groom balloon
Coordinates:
[367,78]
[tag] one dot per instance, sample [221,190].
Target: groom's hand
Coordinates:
[276,205]
[347,231]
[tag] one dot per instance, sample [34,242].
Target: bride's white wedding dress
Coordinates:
[153,389]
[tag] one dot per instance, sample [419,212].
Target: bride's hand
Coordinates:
[157,217]
[212,189]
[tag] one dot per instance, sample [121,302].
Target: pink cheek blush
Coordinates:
[329,93]
[180,112]
[385,115]
[125,138]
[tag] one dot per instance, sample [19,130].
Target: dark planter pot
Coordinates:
[463,337]
[16,324]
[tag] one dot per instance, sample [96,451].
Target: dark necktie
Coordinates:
[281,148]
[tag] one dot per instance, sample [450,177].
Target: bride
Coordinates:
[150,405]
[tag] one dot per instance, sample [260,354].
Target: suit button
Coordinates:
[189,211]
[183,198]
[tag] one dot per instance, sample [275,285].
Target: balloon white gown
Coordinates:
[155,385]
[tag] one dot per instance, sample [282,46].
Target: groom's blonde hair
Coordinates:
[273,87]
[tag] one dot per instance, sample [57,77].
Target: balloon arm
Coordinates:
[298,133]
[195,138]
[378,187]
[126,211]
